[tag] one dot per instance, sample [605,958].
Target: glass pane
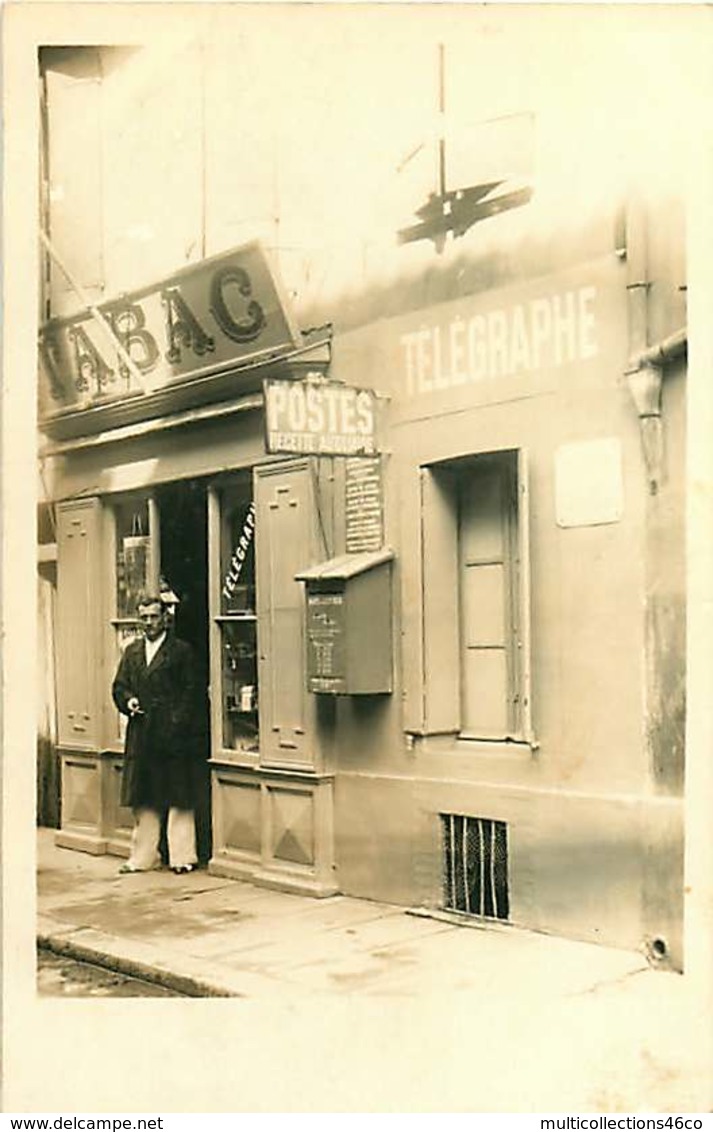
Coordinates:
[133,555]
[238,551]
[239,664]
[237,619]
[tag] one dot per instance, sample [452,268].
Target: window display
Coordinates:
[133,555]
[133,564]
[238,619]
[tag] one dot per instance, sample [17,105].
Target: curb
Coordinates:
[185,985]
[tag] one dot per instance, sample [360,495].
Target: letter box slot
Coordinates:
[348,620]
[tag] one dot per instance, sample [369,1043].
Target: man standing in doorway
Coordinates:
[155,686]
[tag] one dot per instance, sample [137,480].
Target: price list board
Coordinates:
[364,506]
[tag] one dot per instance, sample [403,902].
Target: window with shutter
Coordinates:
[475,547]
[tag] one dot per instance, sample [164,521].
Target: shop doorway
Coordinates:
[183,541]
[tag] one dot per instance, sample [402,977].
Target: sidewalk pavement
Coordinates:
[640,1036]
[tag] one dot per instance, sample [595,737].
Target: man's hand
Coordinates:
[134,706]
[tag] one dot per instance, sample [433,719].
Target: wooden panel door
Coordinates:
[79,628]
[285,544]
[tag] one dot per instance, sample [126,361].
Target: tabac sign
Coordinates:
[206,318]
[321,418]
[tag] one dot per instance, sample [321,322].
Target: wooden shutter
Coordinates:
[74,160]
[78,623]
[439,547]
[524,594]
[285,544]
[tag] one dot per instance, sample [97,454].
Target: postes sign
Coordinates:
[319,418]
[207,317]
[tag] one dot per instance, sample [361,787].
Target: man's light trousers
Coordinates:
[147,831]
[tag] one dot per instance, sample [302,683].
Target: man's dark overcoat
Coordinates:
[161,744]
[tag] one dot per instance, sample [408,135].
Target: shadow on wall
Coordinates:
[369,722]
[666,625]
[48,784]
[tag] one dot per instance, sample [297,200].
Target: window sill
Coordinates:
[456,742]
[300,774]
[236,757]
[496,748]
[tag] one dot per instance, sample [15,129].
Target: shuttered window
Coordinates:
[475,569]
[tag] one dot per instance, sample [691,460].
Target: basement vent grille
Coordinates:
[475,866]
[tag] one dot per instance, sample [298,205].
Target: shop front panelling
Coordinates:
[82,798]
[118,819]
[274,828]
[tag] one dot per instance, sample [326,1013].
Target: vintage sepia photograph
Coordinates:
[372,352]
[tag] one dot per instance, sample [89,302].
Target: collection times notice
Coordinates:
[364,510]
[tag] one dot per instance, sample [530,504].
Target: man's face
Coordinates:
[152,620]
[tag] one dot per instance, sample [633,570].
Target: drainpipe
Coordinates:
[645,378]
[644,372]
[637,279]
[665,351]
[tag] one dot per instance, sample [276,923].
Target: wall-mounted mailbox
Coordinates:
[349,645]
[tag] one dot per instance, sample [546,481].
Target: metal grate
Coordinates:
[475,860]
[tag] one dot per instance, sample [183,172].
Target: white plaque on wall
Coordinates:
[589,487]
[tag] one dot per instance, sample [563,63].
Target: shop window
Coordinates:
[476,597]
[133,556]
[134,574]
[237,619]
